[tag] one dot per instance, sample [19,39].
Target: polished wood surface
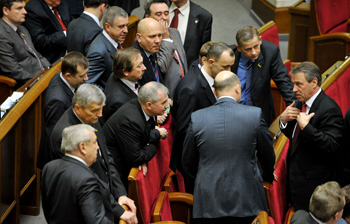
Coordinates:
[132,30]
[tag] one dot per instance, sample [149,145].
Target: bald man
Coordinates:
[148,41]
[236,137]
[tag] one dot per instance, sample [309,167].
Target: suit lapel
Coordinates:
[109,46]
[206,88]
[259,63]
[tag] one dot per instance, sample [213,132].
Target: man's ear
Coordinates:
[81,147]
[238,48]
[148,105]
[138,36]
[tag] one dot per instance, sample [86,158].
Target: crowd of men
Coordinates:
[103,112]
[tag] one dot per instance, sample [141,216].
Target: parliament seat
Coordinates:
[329,32]
[6,87]
[132,30]
[263,218]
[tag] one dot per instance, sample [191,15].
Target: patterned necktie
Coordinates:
[248,82]
[119,46]
[154,67]
[175,22]
[55,12]
[30,48]
[297,128]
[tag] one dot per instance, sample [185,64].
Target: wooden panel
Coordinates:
[132,30]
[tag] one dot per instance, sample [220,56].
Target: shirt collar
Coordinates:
[93,17]
[129,84]
[11,25]
[318,221]
[183,10]
[67,83]
[113,42]
[209,79]
[76,158]
[310,101]
[229,97]
[78,117]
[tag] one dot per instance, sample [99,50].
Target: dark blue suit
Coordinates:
[81,32]
[222,142]
[46,31]
[100,56]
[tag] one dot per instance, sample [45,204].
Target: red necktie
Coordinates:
[180,65]
[297,128]
[119,46]
[175,22]
[55,12]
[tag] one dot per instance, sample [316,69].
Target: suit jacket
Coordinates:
[75,7]
[46,31]
[16,61]
[148,75]
[315,156]
[117,93]
[268,66]
[58,99]
[198,31]
[100,56]
[81,32]
[346,148]
[170,67]
[192,93]
[104,166]
[129,138]
[302,217]
[228,134]
[71,193]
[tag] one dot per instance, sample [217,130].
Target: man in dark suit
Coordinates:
[326,206]
[149,39]
[266,64]
[71,192]
[236,137]
[47,22]
[123,84]
[131,132]
[315,134]
[18,56]
[76,7]
[194,25]
[83,30]
[346,148]
[195,92]
[87,105]
[177,68]
[102,49]
[58,98]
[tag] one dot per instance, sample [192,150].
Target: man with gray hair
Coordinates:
[326,206]
[86,108]
[131,132]
[71,193]
[102,49]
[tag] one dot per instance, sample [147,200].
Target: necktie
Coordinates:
[30,49]
[119,46]
[175,22]
[248,82]
[176,55]
[297,128]
[154,67]
[55,12]
[137,86]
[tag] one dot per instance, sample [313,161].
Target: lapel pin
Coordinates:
[259,65]
[196,21]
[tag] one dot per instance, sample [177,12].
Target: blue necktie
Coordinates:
[248,83]
[154,67]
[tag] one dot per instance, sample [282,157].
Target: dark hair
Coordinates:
[215,51]
[310,70]
[148,3]
[124,60]
[245,34]
[71,61]
[8,4]
[94,3]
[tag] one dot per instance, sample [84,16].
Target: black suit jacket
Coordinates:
[129,138]
[192,93]
[198,31]
[117,93]
[81,32]
[302,217]
[148,75]
[104,167]
[71,193]
[268,66]
[46,31]
[58,99]
[315,156]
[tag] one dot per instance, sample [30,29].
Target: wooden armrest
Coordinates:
[291,213]
[332,36]
[181,197]
[167,182]
[262,217]
[133,20]
[266,26]
[126,208]
[8,81]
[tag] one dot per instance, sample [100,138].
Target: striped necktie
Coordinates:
[154,67]
[248,82]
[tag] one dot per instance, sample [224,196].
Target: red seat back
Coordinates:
[269,32]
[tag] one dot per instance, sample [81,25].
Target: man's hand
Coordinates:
[163,132]
[303,119]
[123,200]
[143,167]
[290,113]
[164,28]
[129,217]
[162,118]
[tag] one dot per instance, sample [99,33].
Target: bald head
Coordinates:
[149,35]
[227,83]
